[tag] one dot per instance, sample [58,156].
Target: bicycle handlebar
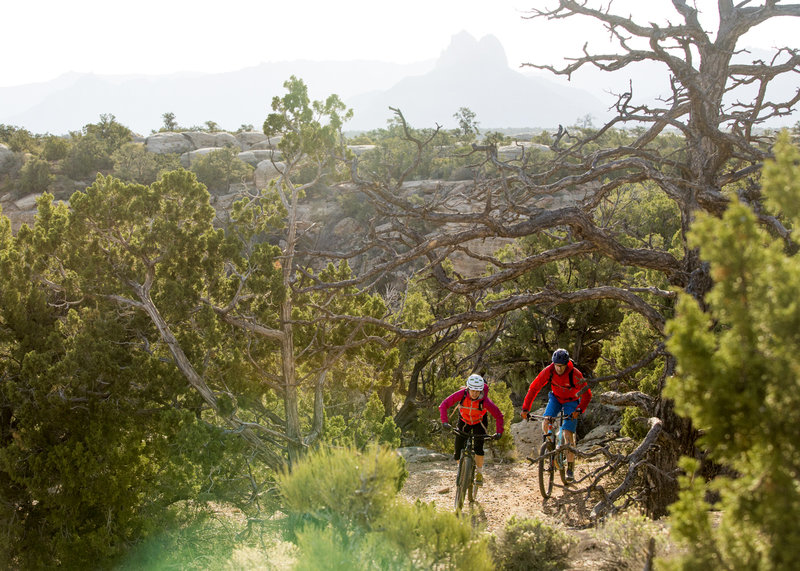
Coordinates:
[560,415]
[495,436]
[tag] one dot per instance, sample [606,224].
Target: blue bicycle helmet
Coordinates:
[560,357]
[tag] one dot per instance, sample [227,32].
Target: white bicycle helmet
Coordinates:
[475,382]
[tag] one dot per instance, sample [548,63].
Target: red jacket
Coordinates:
[469,411]
[560,386]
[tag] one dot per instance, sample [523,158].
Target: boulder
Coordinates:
[165,143]
[201,139]
[265,172]
[598,414]
[225,140]
[27,202]
[188,158]
[420,454]
[597,435]
[528,436]
[359,150]
[347,227]
[255,156]
[515,150]
[247,139]
[268,143]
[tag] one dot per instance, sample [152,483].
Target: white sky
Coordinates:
[46,38]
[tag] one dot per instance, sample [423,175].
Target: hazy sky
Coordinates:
[45,38]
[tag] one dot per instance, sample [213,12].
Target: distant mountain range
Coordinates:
[469,73]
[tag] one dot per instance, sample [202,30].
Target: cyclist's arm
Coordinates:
[533,390]
[586,397]
[495,411]
[447,403]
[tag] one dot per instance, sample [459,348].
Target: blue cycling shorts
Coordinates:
[554,407]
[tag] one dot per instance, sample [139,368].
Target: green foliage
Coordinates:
[309,129]
[170,124]
[344,513]
[93,147]
[89,470]
[200,538]
[500,393]
[623,542]
[314,490]
[86,157]
[467,125]
[35,177]
[100,435]
[738,379]
[18,139]
[403,151]
[369,425]
[55,148]
[530,544]
[132,163]
[111,134]
[634,340]
[221,168]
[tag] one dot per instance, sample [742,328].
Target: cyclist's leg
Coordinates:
[552,410]
[570,426]
[478,428]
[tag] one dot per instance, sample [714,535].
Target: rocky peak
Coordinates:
[464,50]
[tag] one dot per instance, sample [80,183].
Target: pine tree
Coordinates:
[739,381]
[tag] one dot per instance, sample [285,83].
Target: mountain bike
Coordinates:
[552,455]
[465,478]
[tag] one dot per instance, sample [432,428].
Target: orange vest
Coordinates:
[472,411]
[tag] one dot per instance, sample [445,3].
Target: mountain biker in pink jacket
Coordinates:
[566,384]
[473,404]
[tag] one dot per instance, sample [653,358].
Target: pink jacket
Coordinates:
[488,406]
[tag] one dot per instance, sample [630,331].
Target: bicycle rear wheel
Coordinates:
[465,466]
[546,469]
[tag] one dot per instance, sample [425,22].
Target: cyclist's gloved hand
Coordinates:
[446,426]
[525,414]
[576,414]
[497,436]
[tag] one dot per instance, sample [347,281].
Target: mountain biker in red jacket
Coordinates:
[473,406]
[566,384]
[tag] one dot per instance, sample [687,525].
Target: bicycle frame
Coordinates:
[465,478]
[552,456]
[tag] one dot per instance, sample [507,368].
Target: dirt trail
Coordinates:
[509,489]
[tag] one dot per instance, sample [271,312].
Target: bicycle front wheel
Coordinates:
[561,463]
[462,481]
[472,489]
[546,469]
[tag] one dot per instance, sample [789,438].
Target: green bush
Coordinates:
[624,542]
[221,168]
[35,177]
[132,163]
[530,544]
[371,425]
[86,157]
[55,148]
[344,513]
